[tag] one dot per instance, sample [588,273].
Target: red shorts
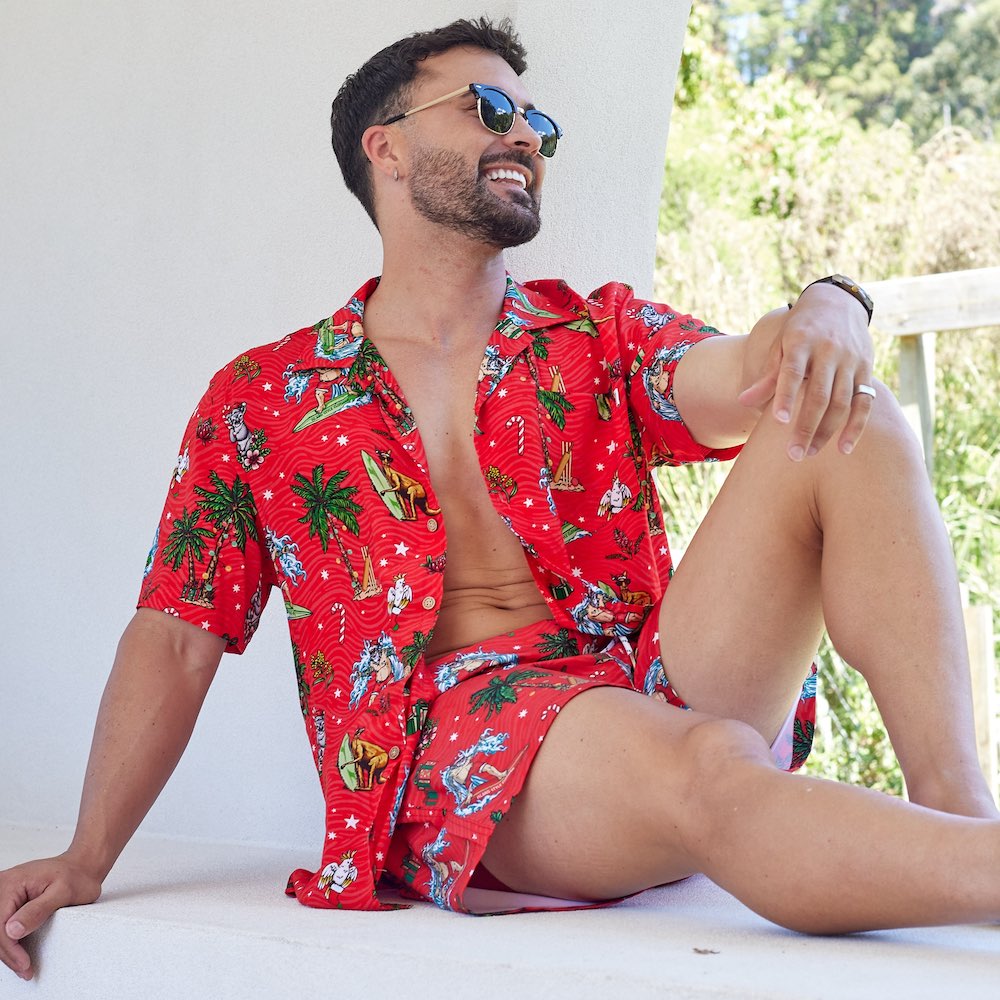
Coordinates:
[498,699]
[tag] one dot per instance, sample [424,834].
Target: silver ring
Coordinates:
[864,390]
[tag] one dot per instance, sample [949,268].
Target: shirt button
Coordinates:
[427,603]
[432,524]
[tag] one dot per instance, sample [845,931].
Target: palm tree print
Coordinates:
[556,645]
[365,368]
[502,690]
[326,505]
[413,651]
[233,512]
[187,541]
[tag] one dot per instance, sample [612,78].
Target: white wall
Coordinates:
[168,197]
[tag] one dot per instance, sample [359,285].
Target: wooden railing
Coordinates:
[915,311]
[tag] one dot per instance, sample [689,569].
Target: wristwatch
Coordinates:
[850,286]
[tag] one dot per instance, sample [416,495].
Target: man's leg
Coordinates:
[855,540]
[627,792]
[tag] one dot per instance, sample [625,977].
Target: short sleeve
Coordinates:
[651,340]
[208,563]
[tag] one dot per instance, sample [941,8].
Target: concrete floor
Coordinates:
[194,920]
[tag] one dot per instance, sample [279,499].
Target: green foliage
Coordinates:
[768,185]
[960,73]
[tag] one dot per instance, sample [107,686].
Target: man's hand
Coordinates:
[810,367]
[30,894]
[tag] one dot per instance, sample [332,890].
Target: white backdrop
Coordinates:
[168,197]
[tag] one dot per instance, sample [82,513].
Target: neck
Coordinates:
[437,288]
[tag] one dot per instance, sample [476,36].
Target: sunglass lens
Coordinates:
[547,129]
[496,110]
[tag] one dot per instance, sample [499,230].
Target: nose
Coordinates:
[523,137]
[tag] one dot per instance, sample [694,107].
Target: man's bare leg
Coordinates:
[654,793]
[627,792]
[856,540]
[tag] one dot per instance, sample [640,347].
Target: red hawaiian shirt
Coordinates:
[302,469]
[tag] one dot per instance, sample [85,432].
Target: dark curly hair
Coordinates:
[381,88]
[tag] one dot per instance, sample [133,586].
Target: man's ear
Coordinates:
[383,147]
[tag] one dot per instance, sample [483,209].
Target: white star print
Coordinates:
[545,527]
[324,439]
[528,502]
[342,439]
[383,562]
[578,572]
[331,836]
[275,412]
[268,495]
[337,693]
[204,625]
[664,551]
[267,387]
[351,822]
[522,713]
[236,588]
[600,466]
[402,548]
[612,446]
[493,444]
[225,458]
[324,574]
[453,737]
[502,393]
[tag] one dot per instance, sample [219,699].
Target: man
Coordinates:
[505,677]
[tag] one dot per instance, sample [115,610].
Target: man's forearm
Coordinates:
[152,699]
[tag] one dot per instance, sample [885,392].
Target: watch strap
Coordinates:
[850,286]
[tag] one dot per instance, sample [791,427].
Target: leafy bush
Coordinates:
[767,187]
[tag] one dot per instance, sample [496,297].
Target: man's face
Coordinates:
[457,166]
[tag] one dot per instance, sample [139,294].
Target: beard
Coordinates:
[445,194]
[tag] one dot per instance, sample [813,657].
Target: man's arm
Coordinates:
[161,674]
[805,361]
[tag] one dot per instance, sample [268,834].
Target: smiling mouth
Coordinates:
[508,177]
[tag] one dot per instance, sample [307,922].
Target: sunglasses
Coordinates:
[497,111]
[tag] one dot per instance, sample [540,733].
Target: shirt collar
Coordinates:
[535,305]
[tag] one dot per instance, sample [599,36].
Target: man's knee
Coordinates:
[716,757]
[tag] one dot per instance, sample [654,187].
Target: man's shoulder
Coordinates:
[266,362]
[332,341]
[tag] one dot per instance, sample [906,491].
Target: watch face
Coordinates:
[853,288]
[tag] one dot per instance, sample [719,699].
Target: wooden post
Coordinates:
[982,662]
[916,389]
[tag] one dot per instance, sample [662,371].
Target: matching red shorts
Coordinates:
[497,701]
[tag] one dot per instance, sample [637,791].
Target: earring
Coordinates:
[395,174]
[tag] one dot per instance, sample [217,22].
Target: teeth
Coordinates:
[507,175]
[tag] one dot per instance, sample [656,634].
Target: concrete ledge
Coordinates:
[193,920]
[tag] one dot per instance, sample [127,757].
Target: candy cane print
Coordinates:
[519,422]
[343,618]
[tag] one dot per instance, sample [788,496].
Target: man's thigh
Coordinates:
[596,818]
[741,619]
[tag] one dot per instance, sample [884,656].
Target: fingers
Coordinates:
[29,895]
[12,953]
[824,411]
[861,410]
[813,386]
[793,372]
